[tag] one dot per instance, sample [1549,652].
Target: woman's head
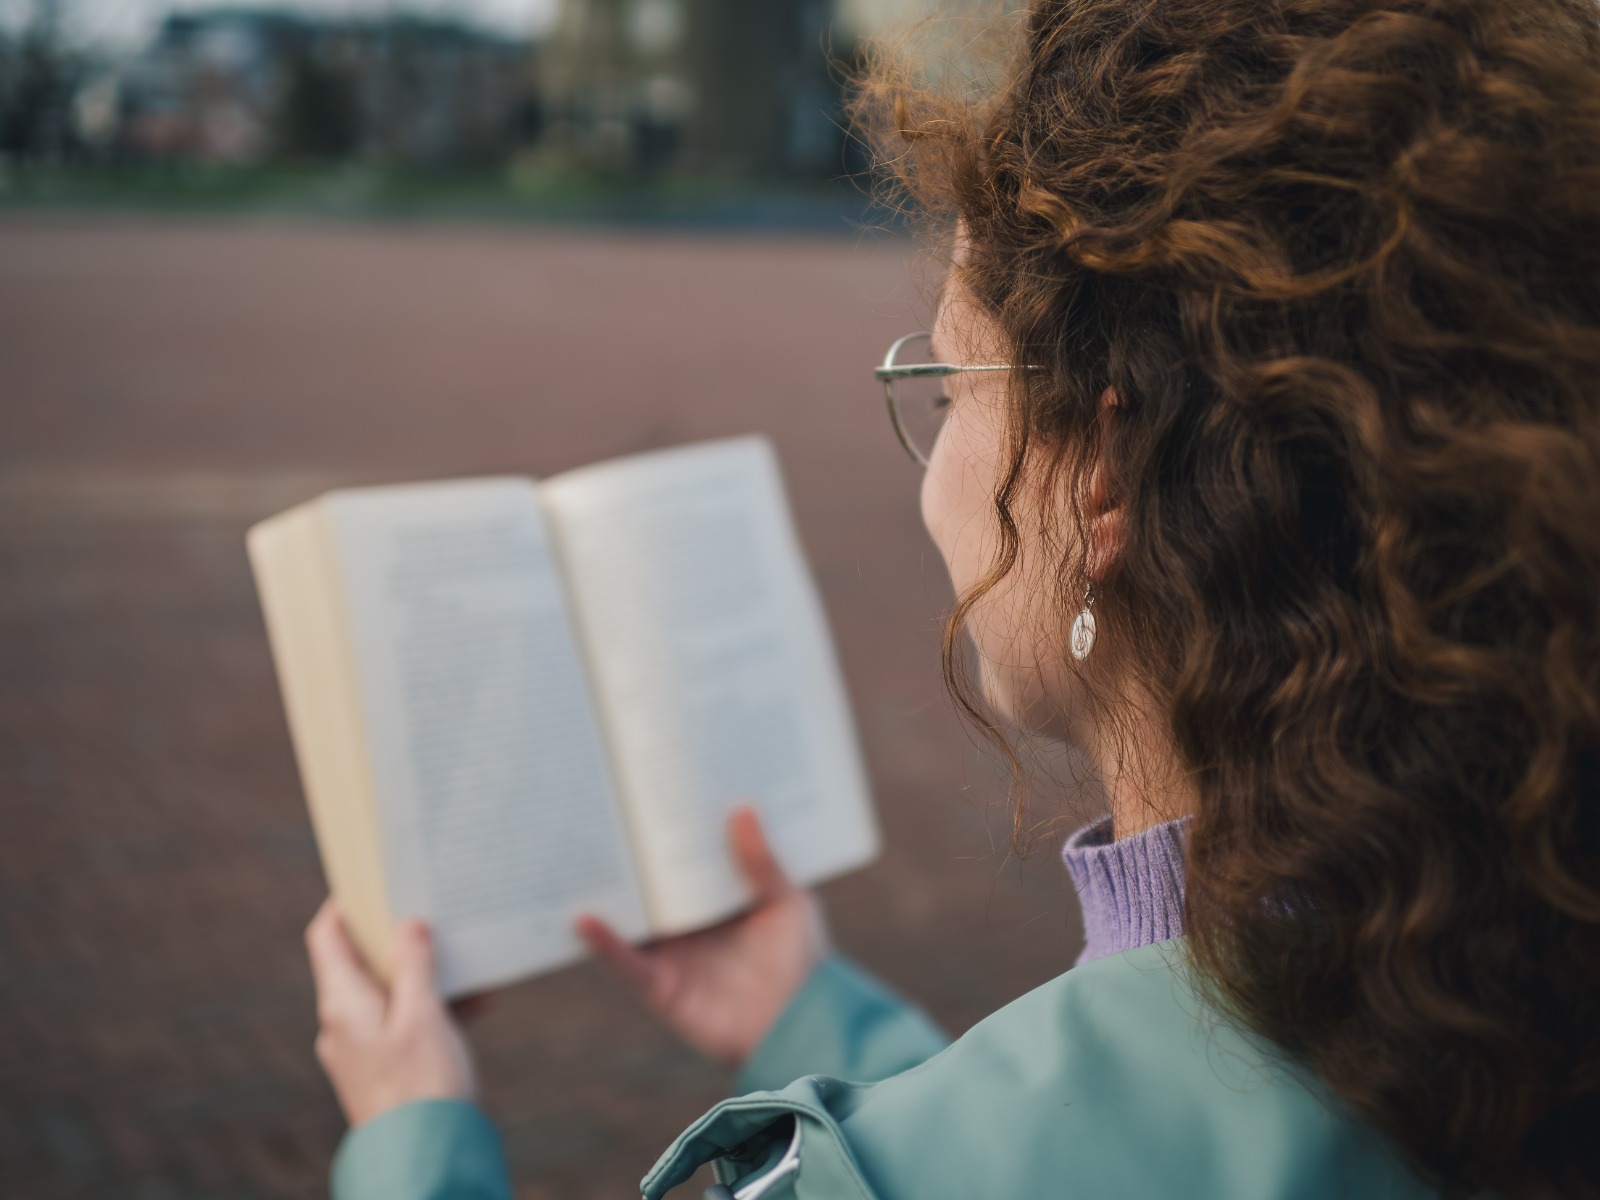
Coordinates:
[1021,668]
[1018,582]
[1310,294]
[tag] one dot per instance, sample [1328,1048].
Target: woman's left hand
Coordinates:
[382,1050]
[722,988]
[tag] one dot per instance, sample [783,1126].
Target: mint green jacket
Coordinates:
[1113,1080]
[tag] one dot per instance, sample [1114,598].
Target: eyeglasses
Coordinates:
[915,392]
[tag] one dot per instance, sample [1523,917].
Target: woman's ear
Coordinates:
[1106,528]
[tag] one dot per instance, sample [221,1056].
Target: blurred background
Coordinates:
[558,108]
[247,254]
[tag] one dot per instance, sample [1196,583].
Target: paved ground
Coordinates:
[162,385]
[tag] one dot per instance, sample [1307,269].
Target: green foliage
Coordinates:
[521,193]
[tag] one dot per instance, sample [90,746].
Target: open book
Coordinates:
[515,702]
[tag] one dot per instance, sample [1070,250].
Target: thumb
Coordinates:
[413,990]
[754,857]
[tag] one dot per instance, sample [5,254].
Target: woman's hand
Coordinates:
[384,1050]
[722,988]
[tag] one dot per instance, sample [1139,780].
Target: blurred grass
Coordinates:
[498,195]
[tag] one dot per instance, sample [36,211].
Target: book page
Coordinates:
[498,816]
[296,577]
[714,669]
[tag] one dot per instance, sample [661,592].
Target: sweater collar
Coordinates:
[1130,889]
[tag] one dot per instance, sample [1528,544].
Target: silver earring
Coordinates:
[1083,626]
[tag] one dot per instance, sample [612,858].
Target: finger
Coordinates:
[345,987]
[637,967]
[414,989]
[753,855]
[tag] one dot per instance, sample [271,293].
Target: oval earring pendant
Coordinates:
[1083,635]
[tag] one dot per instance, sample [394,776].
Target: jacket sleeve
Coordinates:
[845,1024]
[426,1150]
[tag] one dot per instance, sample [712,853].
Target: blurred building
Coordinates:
[243,86]
[727,86]
[208,86]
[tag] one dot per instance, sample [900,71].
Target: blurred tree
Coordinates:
[726,86]
[320,118]
[39,76]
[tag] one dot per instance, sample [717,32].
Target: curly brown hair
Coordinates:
[1339,261]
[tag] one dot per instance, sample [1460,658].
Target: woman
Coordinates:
[1284,511]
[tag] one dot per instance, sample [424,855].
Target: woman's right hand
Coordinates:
[721,989]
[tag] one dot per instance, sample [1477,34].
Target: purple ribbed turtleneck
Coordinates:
[1130,889]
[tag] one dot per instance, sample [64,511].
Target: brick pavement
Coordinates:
[163,385]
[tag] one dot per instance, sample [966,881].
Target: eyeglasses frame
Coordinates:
[889,371]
